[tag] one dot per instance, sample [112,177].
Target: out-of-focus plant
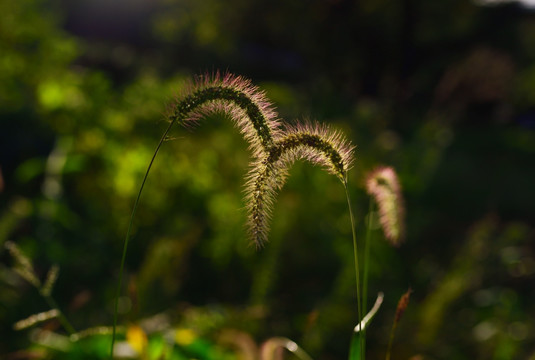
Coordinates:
[25,269]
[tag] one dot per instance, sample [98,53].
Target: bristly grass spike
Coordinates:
[318,144]
[246,104]
[274,149]
[383,184]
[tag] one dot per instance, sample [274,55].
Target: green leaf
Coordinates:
[354,350]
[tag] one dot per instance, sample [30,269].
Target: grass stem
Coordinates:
[127,238]
[366,266]
[356,259]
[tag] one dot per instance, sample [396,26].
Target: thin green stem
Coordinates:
[356,259]
[366,266]
[127,238]
[61,317]
[390,341]
[297,351]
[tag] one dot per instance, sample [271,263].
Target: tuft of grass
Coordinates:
[23,266]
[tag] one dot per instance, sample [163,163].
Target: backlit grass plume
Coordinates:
[313,142]
[383,184]
[274,149]
[246,104]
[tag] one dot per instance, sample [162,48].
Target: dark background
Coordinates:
[443,91]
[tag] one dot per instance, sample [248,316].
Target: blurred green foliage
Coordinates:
[440,90]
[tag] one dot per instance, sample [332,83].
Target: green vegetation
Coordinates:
[440,91]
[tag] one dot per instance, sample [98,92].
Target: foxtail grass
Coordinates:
[383,185]
[313,142]
[320,146]
[274,149]
[246,105]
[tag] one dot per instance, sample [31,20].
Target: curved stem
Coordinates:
[356,259]
[390,341]
[127,238]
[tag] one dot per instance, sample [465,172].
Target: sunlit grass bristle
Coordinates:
[274,149]
[233,95]
[317,144]
[247,106]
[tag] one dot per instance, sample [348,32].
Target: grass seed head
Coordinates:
[50,281]
[235,96]
[317,144]
[402,305]
[36,319]
[23,265]
[383,184]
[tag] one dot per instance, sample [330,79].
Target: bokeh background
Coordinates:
[443,90]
